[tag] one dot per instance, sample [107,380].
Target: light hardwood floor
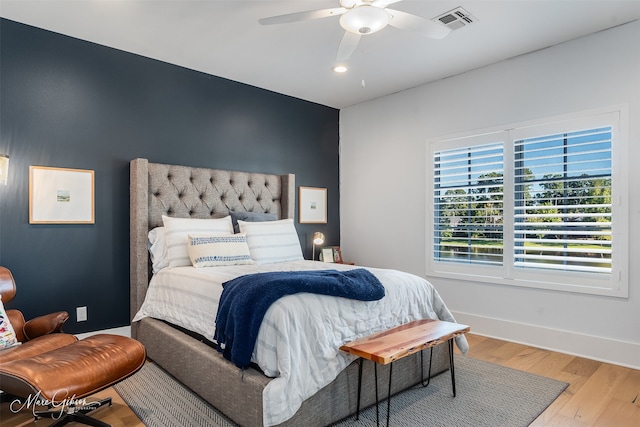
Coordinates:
[599,394]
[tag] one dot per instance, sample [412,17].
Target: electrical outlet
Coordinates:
[81,314]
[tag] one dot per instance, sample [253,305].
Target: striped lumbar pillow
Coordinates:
[218,250]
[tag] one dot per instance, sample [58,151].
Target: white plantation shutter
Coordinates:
[563,213]
[468,189]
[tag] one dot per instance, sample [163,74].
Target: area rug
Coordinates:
[487,395]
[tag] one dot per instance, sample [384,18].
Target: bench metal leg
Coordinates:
[451,366]
[375,370]
[422,367]
[453,374]
[389,395]
[375,367]
[359,387]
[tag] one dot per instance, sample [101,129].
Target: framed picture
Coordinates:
[327,255]
[312,207]
[337,254]
[331,254]
[60,196]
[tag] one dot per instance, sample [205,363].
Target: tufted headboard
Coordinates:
[186,192]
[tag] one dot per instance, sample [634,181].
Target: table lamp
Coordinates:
[318,239]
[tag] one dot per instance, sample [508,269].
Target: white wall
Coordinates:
[382,171]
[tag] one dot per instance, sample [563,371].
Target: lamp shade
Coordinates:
[4,168]
[364,19]
[318,238]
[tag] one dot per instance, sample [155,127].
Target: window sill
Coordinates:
[580,285]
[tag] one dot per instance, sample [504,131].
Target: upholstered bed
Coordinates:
[187,192]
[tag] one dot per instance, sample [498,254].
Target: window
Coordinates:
[541,205]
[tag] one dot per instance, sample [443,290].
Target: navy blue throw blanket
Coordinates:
[246,299]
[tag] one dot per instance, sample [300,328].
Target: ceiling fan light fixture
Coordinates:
[364,19]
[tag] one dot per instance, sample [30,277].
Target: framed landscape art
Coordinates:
[61,196]
[312,207]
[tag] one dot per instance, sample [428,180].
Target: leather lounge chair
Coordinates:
[56,372]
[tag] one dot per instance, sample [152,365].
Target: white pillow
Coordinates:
[7,334]
[217,250]
[177,231]
[158,249]
[272,241]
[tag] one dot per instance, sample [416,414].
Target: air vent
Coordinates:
[456,18]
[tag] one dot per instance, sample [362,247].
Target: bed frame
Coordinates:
[188,192]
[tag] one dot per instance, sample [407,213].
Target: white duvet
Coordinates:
[298,342]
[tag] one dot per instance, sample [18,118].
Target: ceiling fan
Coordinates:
[362,17]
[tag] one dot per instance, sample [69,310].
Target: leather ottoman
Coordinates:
[64,376]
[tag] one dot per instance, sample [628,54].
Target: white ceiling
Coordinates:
[223,38]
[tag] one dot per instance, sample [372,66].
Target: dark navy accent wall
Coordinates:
[69,103]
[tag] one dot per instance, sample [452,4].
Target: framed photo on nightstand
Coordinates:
[337,254]
[331,254]
[326,255]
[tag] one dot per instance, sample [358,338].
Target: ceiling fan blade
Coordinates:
[426,27]
[347,46]
[302,16]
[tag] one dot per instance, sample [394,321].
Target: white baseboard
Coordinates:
[124,331]
[591,347]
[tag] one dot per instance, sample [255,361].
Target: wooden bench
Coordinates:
[388,346]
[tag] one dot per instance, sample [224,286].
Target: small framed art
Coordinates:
[327,255]
[331,254]
[60,196]
[337,254]
[312,207]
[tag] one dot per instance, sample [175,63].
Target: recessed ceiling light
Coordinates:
[340,68]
